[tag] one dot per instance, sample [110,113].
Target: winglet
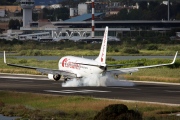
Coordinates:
[4,57]
[174,58]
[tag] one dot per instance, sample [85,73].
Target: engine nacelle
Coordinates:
[55,77]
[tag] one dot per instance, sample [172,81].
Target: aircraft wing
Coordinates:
[44,70]
[60,72]
[135,69]
[116,65]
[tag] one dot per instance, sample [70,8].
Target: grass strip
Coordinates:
[38,106]
[159,74]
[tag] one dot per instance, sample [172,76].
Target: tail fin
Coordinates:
[102,55]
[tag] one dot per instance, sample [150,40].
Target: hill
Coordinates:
[45,2]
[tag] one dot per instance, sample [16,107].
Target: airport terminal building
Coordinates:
[82,28]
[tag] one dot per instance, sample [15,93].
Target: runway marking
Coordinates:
[75,91]
[22,78]
[164,83]
[125,88]
[18,78]
[172,91]
[55,83]
[26,81]
[21,81]
[15,77]
[14,80]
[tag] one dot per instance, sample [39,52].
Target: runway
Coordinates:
[146,92]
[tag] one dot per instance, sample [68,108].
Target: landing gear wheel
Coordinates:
[65,80]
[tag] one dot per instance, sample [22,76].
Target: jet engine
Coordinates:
[55,77]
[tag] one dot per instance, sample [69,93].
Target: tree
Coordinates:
[146,15]
[7,2]
[174,11]
[11,24]
[177,16]
[11,1]
[153,5]
[62,13]
[122,15]
[135,14]
[14,24]
[2,2]
[160,12]
[143,5]
[53,14]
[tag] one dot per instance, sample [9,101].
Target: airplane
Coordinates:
[77,67]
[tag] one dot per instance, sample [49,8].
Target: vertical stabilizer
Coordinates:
[102,55]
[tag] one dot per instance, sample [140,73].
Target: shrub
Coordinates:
[110,59]
[117,112]
[130,50]
[22,61]
[1,104]
[31,52]
[109,49]
[152,47]
[175,65]
[37,53]
[116,50]
[22,52]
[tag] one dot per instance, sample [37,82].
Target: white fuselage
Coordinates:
[82,67]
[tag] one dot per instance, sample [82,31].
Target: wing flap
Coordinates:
[22,66]
[122,71]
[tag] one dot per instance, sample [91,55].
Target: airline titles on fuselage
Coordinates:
[68,64]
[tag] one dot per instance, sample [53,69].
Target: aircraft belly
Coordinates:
[88,72]
[95,70]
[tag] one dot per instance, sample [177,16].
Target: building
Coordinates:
[79,27]
[11,8]
[4,26]
[115,7]
[73,12]
[55,6]
[2,13]
[27,6]
[85,8]
[34,36]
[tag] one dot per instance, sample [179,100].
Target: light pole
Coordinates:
[168,10]
[92,34]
